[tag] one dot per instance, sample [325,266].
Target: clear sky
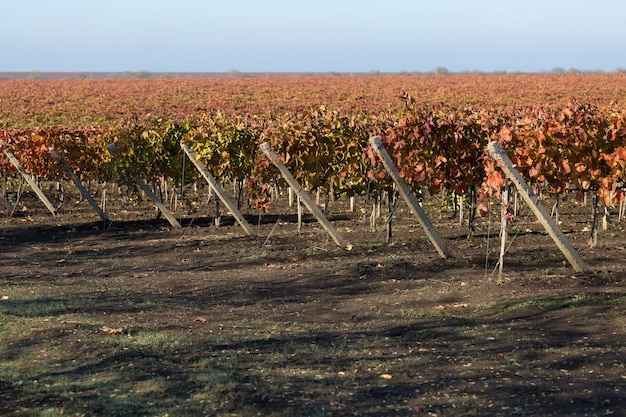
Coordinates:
[311,35]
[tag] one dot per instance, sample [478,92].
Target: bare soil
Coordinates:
[134,317]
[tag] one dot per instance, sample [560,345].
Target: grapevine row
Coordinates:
[438,147]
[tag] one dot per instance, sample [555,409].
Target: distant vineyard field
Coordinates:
[563,132]
[80,103]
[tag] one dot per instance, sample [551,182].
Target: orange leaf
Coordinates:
[483,209]
[109,330]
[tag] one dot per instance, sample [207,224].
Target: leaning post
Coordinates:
[29,179]
[156,200]
[507,166]
[79,185]
[409,197]
[217,188]
[304,197]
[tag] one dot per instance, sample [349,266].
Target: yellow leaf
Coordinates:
[109,330]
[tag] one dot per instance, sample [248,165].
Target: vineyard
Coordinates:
[565,135]
[559,146]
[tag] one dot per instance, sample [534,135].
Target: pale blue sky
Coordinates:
[320,35]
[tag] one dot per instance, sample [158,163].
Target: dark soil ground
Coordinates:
[135,318]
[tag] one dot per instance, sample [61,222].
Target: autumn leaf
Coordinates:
[262,204]
[483,209]
[536,170]
[566,166]
[505,134]
[495,180]
[109,330]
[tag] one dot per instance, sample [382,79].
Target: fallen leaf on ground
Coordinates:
[109,330]
[200,319]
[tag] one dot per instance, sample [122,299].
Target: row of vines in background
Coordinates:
[78,103]
[437,147]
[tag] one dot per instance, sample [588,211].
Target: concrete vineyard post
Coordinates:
[409,197]
[504,229]
[500,156]
[144,187]
[304,197]
[217,188]
[29,179]
[79,185]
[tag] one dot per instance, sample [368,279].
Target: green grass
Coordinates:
[556,303]
[129,375]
